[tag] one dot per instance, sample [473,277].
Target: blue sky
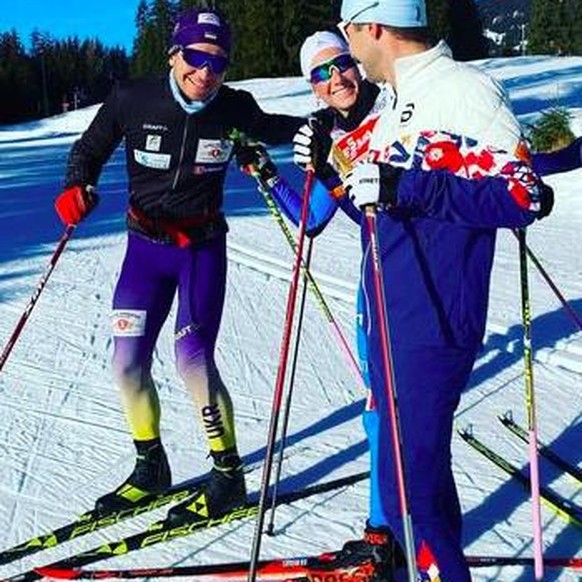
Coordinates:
[111,21]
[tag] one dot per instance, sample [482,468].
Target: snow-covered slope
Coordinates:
[63,439]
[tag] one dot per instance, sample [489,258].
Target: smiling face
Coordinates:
[197,83]
[341,90]
[364,45]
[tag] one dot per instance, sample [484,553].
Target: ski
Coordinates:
[544,450]
[160,531]
[499,561]
[91,521]
[313,568]
[560,505]
[309,568]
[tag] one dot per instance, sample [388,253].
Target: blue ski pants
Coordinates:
[429,382]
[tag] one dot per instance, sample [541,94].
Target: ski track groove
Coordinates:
[567,353]
[500,381]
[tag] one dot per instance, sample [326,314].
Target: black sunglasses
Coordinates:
[200,59]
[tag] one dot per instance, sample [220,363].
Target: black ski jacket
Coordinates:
[176,162]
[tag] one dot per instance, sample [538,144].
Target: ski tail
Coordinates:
[544,450]
[563,507]
[574,563]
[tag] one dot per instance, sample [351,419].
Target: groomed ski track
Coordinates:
[63,439]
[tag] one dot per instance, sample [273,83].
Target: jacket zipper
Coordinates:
[181,158]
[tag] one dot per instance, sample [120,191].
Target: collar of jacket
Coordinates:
[406,68]
[188,106]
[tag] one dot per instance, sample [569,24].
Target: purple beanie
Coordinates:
[202,25]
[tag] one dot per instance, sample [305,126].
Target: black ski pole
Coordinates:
[33,300]
[287,408]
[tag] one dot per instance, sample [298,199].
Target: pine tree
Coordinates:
[552,131]
[458,22]
[154,27]
[573,34]
[438,14]
[466,31]
[140,57]
[18,97]
[554,28]
[41,54]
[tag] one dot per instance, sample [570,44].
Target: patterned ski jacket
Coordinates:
[466,172]
[176,162]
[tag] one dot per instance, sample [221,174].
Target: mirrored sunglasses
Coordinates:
[323,72]
[200,59]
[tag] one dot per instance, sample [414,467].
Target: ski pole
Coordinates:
[287,408]
[280,381]
[391,394]
[530,408]
[41,285]
[313,286]
[569,309]
[276,214]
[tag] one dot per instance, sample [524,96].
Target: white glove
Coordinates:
[303,146]
[311,146]
[363,184]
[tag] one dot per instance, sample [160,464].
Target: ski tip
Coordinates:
[56,573]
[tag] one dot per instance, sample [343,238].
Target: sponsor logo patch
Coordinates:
[155,127]
[151,160]
[407,113]
[129,322]
[206,169]
[153,143]
[213,151]
[208,18]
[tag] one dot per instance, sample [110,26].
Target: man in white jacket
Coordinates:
[447,167]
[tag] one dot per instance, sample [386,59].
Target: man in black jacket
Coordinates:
[177,147]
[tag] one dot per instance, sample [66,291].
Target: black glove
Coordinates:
[546,194]
[311,147]
[253,159]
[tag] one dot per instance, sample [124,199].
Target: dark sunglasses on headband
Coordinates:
[200,59]
[323,72]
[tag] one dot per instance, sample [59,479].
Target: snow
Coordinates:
[63,439]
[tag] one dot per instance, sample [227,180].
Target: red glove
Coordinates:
[75,203]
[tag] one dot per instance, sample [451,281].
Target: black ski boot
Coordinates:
[151,475]
[224,490]
[378,548]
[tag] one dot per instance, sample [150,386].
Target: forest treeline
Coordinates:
[49,75]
